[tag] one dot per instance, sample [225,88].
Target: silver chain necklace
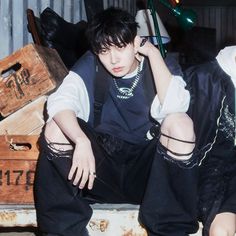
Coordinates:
[126,93]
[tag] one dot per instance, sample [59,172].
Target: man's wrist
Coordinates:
[81,139]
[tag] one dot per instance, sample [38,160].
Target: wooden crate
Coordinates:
[28,73]
[28,120]
[18,157]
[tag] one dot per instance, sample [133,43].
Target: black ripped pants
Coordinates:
[126,173]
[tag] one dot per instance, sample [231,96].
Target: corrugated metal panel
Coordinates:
[125,4]
[13,27]
[223,19]
[13,22]
[5,28]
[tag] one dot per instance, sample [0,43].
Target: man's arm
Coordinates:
[83,163]
[172,97]
[161,73]
[64,106]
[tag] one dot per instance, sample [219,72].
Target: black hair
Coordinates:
[112,26]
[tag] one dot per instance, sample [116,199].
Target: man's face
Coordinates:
[119,61]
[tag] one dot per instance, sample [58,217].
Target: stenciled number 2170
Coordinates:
[17,177]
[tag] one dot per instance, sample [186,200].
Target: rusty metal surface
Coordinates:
[107,220]
[103,222]
[17,218]
[98,225]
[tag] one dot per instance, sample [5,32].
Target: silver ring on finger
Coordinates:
[93,174]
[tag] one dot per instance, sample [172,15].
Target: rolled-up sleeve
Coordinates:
[176,100]
[71,95]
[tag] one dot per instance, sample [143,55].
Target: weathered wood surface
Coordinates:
[27,74]
[18,157]
[28,120]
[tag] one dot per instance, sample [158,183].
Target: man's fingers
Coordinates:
[81,177]
[77,176]
[84,179]
[72,172]
[92,176]
[82,171]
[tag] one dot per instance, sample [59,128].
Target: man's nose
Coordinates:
[113,57]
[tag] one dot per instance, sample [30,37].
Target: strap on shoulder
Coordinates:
[148,85]
[101,89]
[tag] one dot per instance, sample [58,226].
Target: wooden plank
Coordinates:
[29,120]
[19,147]
[17,179]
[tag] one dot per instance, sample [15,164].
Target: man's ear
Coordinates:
[137,40]
[136,43]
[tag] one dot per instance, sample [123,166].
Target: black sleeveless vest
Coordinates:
[128,119]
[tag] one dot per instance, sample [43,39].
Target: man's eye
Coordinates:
[120,47]
[103,51]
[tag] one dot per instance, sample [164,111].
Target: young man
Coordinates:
[103,141]
[212,86]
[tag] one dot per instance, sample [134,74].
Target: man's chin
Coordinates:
[117,74]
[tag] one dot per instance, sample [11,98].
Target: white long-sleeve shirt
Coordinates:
[227,61]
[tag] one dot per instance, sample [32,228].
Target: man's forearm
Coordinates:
[67,122]
[161,73]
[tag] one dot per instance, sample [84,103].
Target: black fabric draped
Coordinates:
[212,109]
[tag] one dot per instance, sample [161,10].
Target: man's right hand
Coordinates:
[83,164]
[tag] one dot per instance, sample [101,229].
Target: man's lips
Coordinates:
[117,69]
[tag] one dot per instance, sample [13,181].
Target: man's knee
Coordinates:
[178,135]
[224,224]
[218,230]
[179,125]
